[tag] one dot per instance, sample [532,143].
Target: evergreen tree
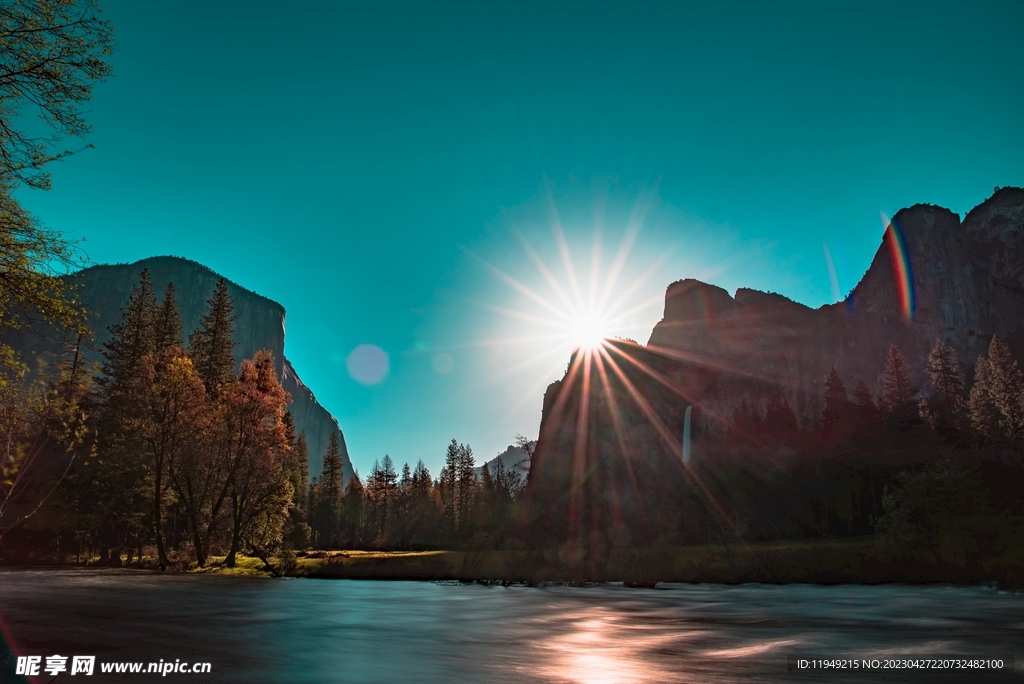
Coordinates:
[123,469]
[465,482]
[1007,390]
[898,388]
[944,409]
[448,485]
[167,326]
[353,511]
[837,403]
[212,344]
[983,412]
[331,487]
[864,401]
[131,339]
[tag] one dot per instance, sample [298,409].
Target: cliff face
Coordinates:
[966,283]
[103,290]
[609,452]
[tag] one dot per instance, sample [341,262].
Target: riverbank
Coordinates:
[830,561]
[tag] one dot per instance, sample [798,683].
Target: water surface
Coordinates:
[303,630]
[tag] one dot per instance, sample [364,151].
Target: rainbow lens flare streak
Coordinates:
[902,272]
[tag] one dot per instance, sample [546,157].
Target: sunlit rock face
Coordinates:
[104,290]
[967,283]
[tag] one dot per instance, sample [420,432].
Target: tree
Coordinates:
[331,486]
[864,402]
[32,259]
[258,489]
[1006,390]
[124,472]
[297,470]
[944,409]
[211,343]
[984,414]
[53,52]
[176,409]
[447,484]
[167,326]
[997,398]
[465,482]
[38,433]
[836,414]
[196,470]
[898,388]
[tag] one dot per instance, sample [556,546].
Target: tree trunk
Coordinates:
[157,515]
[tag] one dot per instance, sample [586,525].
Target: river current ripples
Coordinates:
[303,630]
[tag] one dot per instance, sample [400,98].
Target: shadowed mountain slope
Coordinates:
[104,289]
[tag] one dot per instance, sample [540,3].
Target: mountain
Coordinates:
[104,289]
[511,458]
[933,277]
[610,459]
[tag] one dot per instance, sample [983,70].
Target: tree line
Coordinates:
[410,509]
[937,469]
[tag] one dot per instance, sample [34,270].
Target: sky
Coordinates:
[422,185]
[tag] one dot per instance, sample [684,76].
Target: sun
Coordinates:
[589,332]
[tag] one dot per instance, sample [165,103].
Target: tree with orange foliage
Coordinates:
[256,448]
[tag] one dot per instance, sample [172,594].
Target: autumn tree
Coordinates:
[254,434]
[175,424]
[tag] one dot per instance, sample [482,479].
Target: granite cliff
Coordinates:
[104,289]
[608,458]
[966,282]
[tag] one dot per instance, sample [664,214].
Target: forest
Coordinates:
[174,454]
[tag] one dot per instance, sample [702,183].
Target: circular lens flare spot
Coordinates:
[368,364]
[589,332]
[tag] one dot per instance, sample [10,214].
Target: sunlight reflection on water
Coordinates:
[261,630]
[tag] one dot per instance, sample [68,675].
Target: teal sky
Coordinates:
[361,163]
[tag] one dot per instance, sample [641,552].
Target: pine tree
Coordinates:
[898,387]
[212,344]
[864,401]
[448,485]
[465,482]
[944,408]
[124,464]
[131,339]
[167,326]
[1006,390]
[331,487]
[837,403]
[983,412]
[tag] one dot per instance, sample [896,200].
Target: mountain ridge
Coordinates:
[103,290]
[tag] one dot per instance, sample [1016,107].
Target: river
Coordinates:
[258,630]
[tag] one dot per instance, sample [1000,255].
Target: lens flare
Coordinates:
[589,332]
